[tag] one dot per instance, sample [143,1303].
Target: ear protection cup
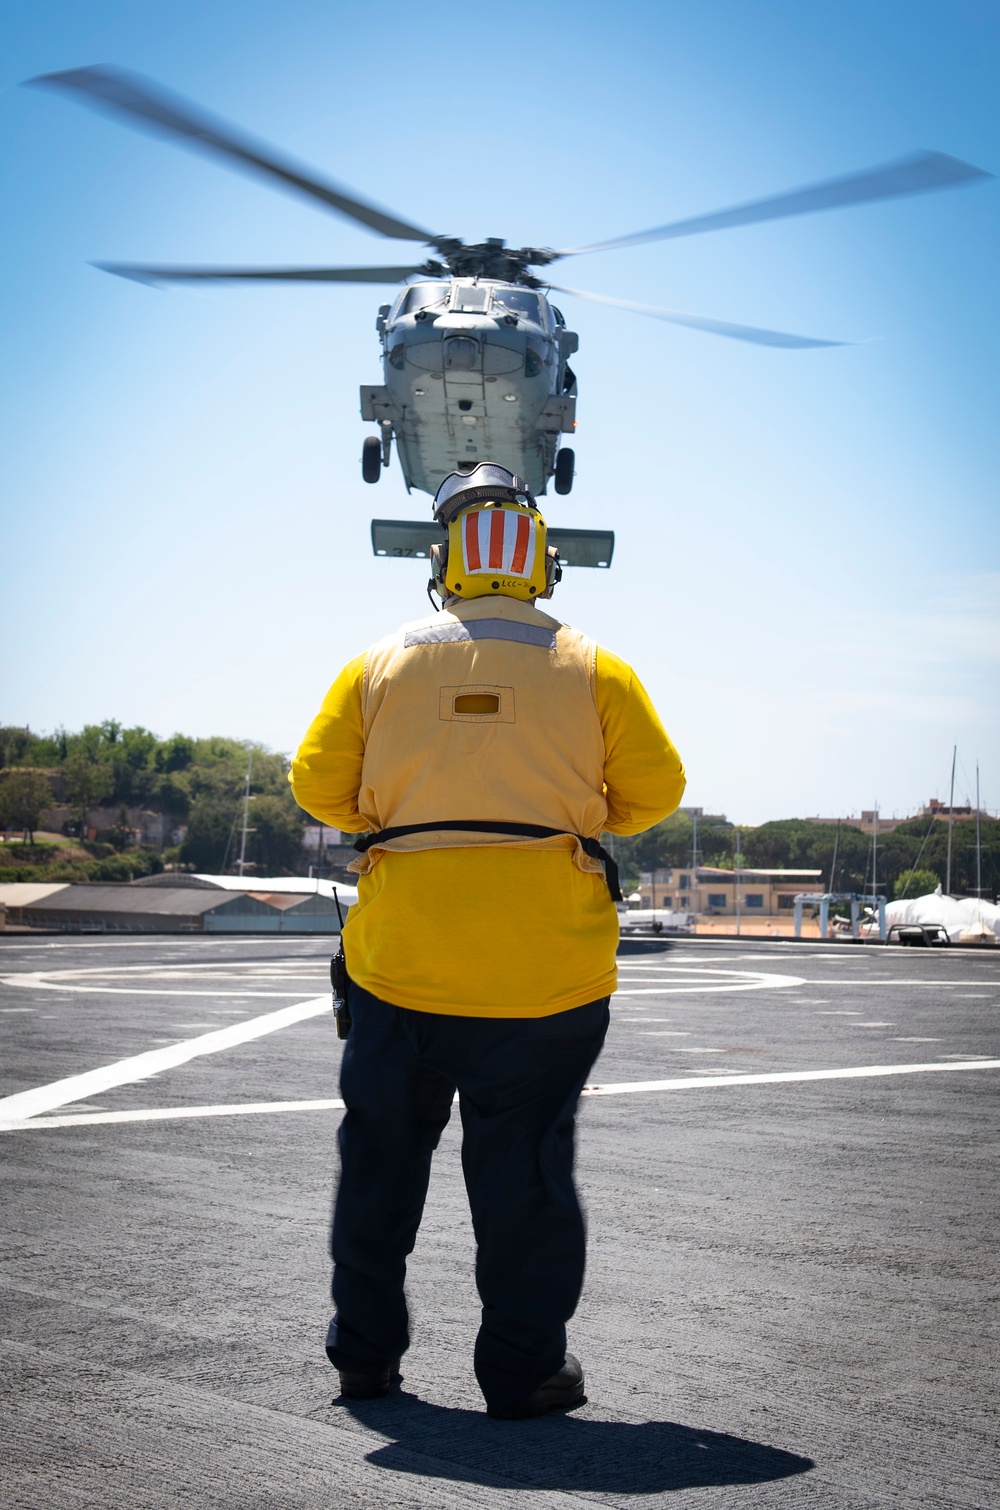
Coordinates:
[553,571]
[439,566]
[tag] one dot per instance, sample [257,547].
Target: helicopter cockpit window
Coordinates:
[420,296]
[517,301]
[472,298]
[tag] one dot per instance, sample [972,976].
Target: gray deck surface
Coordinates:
[791,1290]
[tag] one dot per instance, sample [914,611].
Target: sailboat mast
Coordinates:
[951,806]
[833,862]
[246,812]
[979,843]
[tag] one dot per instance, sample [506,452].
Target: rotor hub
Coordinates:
[491,258]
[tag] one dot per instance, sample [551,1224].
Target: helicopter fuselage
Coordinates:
[474,370]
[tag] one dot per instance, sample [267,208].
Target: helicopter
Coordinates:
[475,356]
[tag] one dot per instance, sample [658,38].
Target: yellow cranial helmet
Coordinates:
[496,543]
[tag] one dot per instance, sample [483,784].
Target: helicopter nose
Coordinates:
[462,354]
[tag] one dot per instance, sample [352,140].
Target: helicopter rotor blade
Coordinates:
[146,105]
[752,333]
[916,174]
[141,273]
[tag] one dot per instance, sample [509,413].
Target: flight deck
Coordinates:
[788,1159]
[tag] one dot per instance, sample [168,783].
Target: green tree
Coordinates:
[788,843]
[915,883]
[668,845]
[277,839]
[665,845]
[174,754]
[794,843]
[171,793]
[88,781]
[24,794]
[132,758]
[15,745]
[128,754]
[210,827]
[716,841]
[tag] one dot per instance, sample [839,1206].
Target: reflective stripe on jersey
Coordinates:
[481,629]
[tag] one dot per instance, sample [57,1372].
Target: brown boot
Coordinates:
[562,1392]
[370,1386]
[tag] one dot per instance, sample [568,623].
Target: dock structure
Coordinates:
[822,901]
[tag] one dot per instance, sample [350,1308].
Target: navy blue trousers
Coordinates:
[518,1081]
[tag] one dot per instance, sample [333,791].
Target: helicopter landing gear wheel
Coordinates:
[565,462]
[371,459]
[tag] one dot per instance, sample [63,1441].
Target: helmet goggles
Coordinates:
[485,483]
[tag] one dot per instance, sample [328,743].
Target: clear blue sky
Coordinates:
[806,571]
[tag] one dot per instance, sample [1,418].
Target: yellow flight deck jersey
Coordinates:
[488,711]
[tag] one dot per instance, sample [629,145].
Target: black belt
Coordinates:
[517,830]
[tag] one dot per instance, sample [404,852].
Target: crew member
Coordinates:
[483,750]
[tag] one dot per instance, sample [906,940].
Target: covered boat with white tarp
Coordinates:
[964,919]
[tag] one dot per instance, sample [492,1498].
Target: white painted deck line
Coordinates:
[44,985]
[770,983]
[46,1098]
[161,941]
[635,1087]
[175,1113]
[170,972]
[57,981]
[782,1077]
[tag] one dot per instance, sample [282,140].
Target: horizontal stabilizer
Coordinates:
[414,538]
[584,547]
[406,537]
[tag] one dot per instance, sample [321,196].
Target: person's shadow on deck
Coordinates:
[564,1451]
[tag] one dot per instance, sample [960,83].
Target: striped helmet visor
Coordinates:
[498,540]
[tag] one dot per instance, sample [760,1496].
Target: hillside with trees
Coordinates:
[196,785]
